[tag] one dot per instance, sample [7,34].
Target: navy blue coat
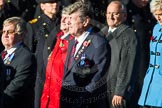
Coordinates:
[86,81]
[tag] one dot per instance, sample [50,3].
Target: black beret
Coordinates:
[47,1]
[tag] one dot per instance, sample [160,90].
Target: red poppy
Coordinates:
[86,43]
[151,38]
[63,45]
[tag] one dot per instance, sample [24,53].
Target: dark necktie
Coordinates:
[72,53]
[4,53]
[110,35]
[110,32]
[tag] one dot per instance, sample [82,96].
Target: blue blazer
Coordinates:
[95,53]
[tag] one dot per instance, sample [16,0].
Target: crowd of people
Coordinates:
[80,53]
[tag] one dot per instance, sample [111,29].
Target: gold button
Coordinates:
[44,24]
[46,35]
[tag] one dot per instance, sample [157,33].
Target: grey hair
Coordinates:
[66,10]
[80,6]
[121,5]
[155,5]
[18,22]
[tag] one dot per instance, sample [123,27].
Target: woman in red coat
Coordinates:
[55,67]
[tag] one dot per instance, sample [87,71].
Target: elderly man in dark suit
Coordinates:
[20,69]
[87,58]
[123,42]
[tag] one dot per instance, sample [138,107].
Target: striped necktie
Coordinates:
[4,53]
[72,53]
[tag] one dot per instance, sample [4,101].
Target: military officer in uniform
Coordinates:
[39,41]
[45,22]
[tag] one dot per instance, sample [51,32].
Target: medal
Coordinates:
[8,73]
[9,58]
[82,62]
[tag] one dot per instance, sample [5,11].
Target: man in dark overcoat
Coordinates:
[123,42]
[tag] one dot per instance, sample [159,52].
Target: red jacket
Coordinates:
[54,73]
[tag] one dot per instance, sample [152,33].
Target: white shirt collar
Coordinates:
[111,29]
[81,39]
[11,50]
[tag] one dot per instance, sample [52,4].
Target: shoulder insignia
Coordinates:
[33,21]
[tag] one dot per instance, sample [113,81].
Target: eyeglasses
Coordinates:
[9,32]
[114,13]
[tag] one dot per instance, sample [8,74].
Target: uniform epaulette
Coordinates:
[33,21]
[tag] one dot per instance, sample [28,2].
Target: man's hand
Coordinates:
[117,100]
